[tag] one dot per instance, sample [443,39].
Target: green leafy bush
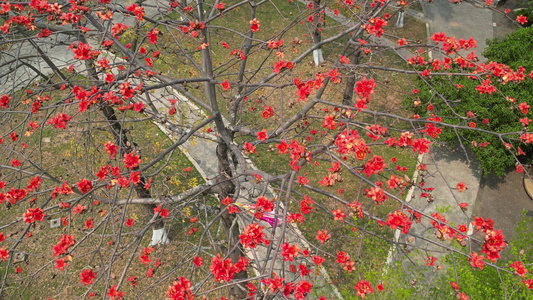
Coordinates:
[456,99]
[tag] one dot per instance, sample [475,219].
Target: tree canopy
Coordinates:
[243,150]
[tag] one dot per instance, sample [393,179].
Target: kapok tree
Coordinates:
[208,123]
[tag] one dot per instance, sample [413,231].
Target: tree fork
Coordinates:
[126,147]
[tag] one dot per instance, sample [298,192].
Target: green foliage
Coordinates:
[402,282]
[514,50]
[487,283]
[502,115]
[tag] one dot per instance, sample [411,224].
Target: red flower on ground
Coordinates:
[461,186]
[521,19]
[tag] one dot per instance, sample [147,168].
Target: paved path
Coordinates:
[445,169]
[503,199]
[464,21]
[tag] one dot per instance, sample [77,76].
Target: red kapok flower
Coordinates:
[180,290]
[252,236]
[323,236]
[289,252]
[113,294]
[461,186]
[254,25]
[225,85]
[129,222]
[262,135]
[65,241]
[4,254]
[518,266]
[476,260]
[222,269]
[33,214]
[521,19]
[59,121]
[85,186]
[87,276]
[363,288]
[131,160]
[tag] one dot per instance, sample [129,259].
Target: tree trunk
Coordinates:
[159,234]
[227,189]
[317,35]
[347,96]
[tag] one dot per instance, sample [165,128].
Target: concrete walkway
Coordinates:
[464,20]
[503,199]
[445,169]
